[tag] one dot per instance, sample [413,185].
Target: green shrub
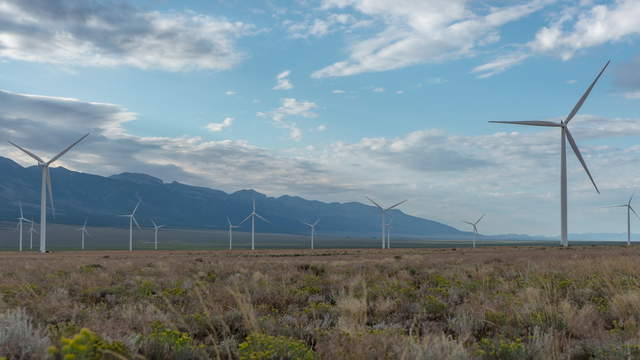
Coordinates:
[87,345]
[266,347]
[19,338]
[501,349]
[165,343]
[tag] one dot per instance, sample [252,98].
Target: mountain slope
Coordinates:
[79,195]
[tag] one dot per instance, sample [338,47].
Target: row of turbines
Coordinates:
[565,137]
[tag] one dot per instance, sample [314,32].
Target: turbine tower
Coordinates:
[629,210]
[32,230]
[231,227]
[20,220]
[253,216]
[383,212]
[475,229]
[83,231]
[156,228]
[46,184]
[132,219]
[565,136]
[389,232]
[313,230]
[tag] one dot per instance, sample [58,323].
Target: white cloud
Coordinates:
[230,92]
[320,27]
[634,95]
[437,81]
[499,65]
[291,107]
[69,32]
[421,31]
[378,89]
[321,128]
[571,82]
[217,127]
[337,91]
[283,82]
[400,92]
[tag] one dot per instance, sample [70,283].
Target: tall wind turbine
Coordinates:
[565,136]
[313,230]
[629,210]
[253,216]
[383,212]
[156,228]
[231,227]
[32,230]
[475,229]
[83,231]
[132,219]
[46,184]
[20,220]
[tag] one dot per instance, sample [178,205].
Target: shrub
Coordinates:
[165,343]
[266,347]
[87,345]
[501,349]
[19,339]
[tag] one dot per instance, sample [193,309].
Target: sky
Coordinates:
[336,100]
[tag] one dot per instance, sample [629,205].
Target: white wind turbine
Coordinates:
[20,220]
[46,184]
[475,229]
[156,228]
[565,136]
[629,210]
[132,219]
[313,230]
[32,230]
[383,212]
[231,227]
[83,231]
[253,216]
[389,232]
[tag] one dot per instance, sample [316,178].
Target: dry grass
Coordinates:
[488,303]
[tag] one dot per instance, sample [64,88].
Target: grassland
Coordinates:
[488,303]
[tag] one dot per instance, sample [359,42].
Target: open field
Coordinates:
[489,303]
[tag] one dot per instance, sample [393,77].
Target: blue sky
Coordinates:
[337,99]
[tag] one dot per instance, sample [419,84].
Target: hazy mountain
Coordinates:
[79,195]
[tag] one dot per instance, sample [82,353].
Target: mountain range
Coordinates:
[80,195]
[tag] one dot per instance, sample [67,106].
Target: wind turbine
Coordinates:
[253,216]
[475,229]
[383,211]
[156,228]
[46,184]
[313,230]
[20,220]
[566,135]
[132,219]
[629,210]
[389,232]
[231,227]
[32,230]
[83,231]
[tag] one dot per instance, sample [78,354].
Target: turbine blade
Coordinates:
[263,219]
[375,203]
[228,221]
[467,222]
[577,152]
[307,224]
[36,157]
[136,208]
[481,217]
[245,219]
[85,223]
[20,206]
[585,95]
[634,212]
[530,123]
[136,222]
[154,223]
[316,223]
[613,206]
[50,189]
[398,204]
[67,149]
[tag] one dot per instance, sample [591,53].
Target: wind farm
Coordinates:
[319,179]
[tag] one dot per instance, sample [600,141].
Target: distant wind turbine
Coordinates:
[389,232]
[156,228]
[313,230]
[132,219]
[566,135]
[20,220]
[231,227]
[383,212]
[32,230]
[629,210]
[83,231]
[253,216]
[475,229]
[46,184]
